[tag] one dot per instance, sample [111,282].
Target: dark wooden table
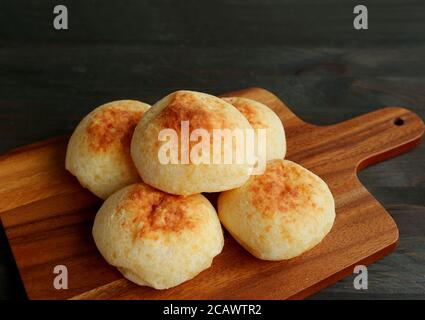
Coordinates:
[306,52]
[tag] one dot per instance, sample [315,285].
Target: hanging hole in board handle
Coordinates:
[398,121]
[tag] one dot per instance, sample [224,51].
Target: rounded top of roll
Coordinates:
[294,189]
[111,126]
[201,110]
[98,152]
[158,213]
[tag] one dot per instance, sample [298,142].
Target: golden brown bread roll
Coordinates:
[98,151]
[199,111]
[157,239]
[280,214]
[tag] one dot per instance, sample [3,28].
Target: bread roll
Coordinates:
[280,214]
[98,152]
[156,239]
[262,117]
[199,111]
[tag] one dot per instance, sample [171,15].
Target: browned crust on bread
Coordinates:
[155,212]
[185,106]
[249,111]
[280,190]
[112,126]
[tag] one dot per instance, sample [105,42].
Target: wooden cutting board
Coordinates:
[48,216]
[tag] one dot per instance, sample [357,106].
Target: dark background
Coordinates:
[306,52]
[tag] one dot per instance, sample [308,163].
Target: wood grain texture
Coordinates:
[49,216]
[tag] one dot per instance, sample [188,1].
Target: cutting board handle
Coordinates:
[379,135]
